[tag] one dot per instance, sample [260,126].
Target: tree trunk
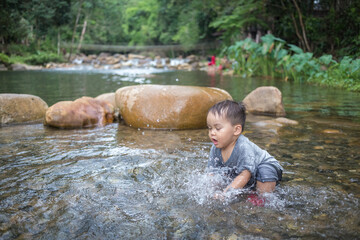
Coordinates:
[58,43]
[295,26]
[297,31]
[82,34]
[302,27]
[75,26]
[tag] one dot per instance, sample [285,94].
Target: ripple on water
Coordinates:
[117,182]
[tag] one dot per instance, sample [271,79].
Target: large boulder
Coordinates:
[109,97]
[167,106]
[265,101]
[81,113]
[21,108]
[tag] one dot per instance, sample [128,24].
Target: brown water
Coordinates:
[118,182]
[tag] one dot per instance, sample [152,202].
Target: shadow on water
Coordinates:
[120,182]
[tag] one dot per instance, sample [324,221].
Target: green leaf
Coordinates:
[295,49]
[326,59]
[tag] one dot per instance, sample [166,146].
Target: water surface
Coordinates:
[118,182]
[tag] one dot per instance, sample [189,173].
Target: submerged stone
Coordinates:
[331,131]
[21,108]
[167,106]
[81,113]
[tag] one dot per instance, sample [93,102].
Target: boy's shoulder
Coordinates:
[242,140]
[245,143]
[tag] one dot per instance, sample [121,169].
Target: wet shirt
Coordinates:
[246,155]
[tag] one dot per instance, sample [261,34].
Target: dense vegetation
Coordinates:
[273,57]
[37,29]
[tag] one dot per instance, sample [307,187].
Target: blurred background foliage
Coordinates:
[318,26]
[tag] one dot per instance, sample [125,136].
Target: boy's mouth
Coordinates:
[214,141]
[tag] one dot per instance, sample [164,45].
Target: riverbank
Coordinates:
[246,59]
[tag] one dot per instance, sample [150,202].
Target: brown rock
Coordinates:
[184,66]
[81,113]
[21,67]
[286,121]
[3,67]
[112,60]
[110,98]
[21,108]
[166,106]
[192,58]
[135,56]
[331,131]
[266,101]
[116,66]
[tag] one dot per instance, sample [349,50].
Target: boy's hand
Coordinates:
[219,196]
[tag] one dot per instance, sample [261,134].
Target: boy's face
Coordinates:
[221,132]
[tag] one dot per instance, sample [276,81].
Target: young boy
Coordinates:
[234,156]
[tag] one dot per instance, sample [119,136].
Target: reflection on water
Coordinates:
[119,182]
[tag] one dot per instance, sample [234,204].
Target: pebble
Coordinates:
[331,131]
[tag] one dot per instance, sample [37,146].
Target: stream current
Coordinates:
[117,182]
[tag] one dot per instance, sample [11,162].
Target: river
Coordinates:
[118,182]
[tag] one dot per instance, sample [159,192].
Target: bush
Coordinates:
[43,58]
[20,49]
[4,59]
[273,57]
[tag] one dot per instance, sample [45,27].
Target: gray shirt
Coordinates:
[246,155]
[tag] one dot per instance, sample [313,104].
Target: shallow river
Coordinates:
[117,182]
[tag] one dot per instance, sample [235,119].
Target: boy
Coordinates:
[234,155]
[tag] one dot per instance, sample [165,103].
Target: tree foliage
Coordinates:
[321,26]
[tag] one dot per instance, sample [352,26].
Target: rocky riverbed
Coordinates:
[121,61]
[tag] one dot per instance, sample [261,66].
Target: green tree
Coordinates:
[24,21]
[318,26]
[239,16]
[140,21]
[13,26]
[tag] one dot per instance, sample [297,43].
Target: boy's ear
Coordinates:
[238,129]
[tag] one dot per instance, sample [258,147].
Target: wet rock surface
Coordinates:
[21,67]
[110,98]
[81,113]
[167,106]
[21,108]
[265,100]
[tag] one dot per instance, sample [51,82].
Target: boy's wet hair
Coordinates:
[233,111]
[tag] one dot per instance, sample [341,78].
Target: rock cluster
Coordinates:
[118,61]
[141,106]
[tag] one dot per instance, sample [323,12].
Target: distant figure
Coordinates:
[240,162]
[212,61]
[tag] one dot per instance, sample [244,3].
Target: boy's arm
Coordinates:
[240,181]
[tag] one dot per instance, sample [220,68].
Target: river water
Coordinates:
[118,182]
